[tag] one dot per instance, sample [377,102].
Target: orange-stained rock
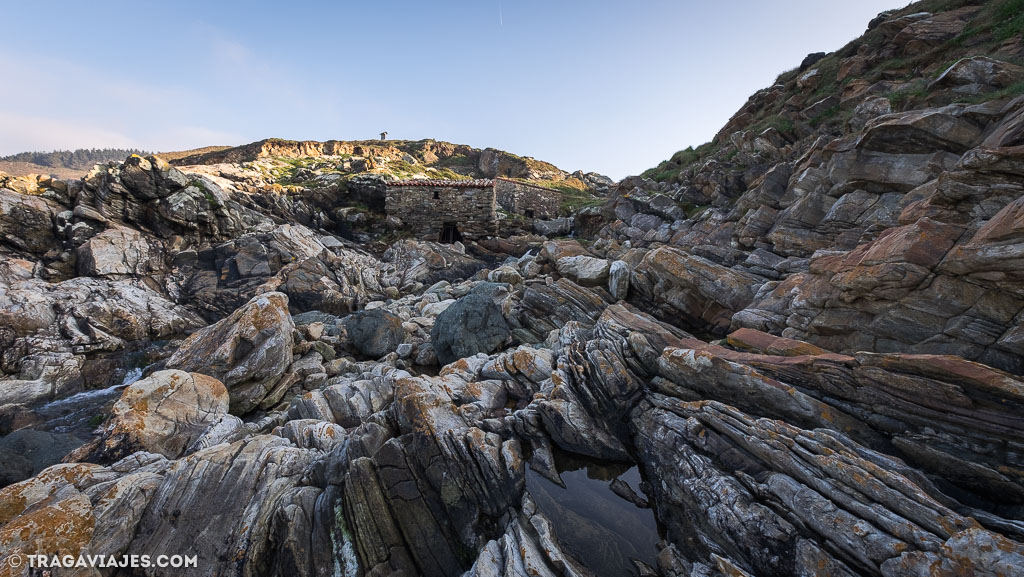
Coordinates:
[759,342]
[164,413]
[248,351]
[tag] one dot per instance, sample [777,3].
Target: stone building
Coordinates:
[453,210]
[444,210]
[528,200]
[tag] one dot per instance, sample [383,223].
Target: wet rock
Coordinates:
[838,532]
[27,452]
[554,227]
[618,280]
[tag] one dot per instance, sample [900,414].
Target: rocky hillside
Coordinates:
[796,350]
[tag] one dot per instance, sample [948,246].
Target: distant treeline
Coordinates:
[81,158]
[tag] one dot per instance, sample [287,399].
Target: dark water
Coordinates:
[599,528]
[81,413]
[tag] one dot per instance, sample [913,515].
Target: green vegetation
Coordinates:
[833,113]
[1011,91]
[96,420]
[454,161]
[998,22]
[286,174]
[575,194]
[576,200]
[828,78]
[80,158]
[780,123]
[914,92]
[668,170]
[693,210]
[447,174]
[1010,15]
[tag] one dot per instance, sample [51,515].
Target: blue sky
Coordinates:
[601,85]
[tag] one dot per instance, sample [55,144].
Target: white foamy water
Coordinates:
[132,376]
[81,398]
[74,413]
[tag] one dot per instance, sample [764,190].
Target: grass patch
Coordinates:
[1011,91]
[455,161]
[835,112]
[780,123]
[668,170]
[914,92]
[828,83]
[1009,15]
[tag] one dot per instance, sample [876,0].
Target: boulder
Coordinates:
[921,132]
[922,35]
[554,250]
[691,288]
[27,222]
[978,74]
[473,324]
[116,252]
[248,351]
[505,274]
[164,413]
[584,270]
[27,452]
[618,280]
[151,177]
[561,226]
[374,333]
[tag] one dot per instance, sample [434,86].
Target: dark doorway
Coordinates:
[450,233]
[529,213]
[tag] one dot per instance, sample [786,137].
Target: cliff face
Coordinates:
[486,163]
[864,192]
[796,350]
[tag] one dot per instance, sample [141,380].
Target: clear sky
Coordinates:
[611,86]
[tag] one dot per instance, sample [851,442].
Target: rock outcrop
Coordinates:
[165,413]
[248,352]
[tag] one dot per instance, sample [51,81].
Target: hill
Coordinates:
[71,164]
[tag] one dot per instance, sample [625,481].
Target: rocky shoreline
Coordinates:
[797,352]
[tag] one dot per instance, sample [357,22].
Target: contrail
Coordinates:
[501,19]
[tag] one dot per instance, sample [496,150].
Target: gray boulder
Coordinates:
[584,270]
[248,351]
[554,227]
[474,324]
[25,453]
[374,333]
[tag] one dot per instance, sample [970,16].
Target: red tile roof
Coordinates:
[476,183]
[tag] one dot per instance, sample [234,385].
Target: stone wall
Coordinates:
[527,199]
[425,208]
